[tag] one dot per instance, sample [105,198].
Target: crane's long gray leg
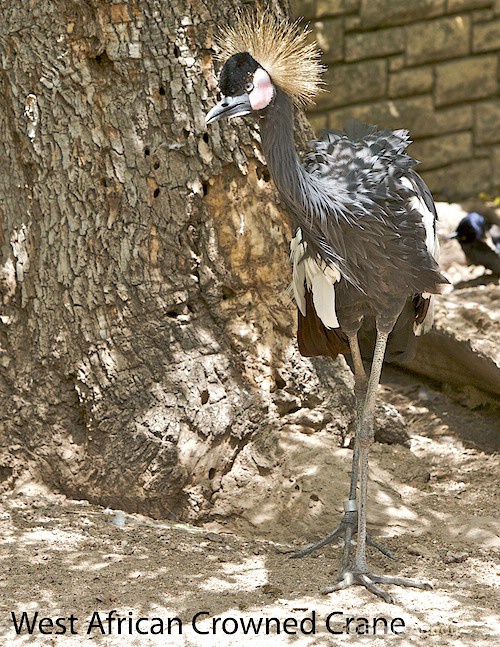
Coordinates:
[350,506]
[348,526]
[365,440]
[358,573]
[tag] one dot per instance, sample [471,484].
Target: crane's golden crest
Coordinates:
[281,48]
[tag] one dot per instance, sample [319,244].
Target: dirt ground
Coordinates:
[435,504]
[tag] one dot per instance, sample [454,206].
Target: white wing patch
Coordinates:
[432,244]
[424,327]
[299,274]
[417,204]
[316,276]
[324,300]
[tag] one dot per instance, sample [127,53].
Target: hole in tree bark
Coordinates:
[204,396]
[102,59]
[280,382]
[162,90]
[177,51]
[227,293]
[147,151]
[206,138]
[211,473]
[156,164]
[6,472]
[156,193]
[263,173]
[205,187]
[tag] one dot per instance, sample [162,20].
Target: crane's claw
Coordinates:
[344,531]
[370,582]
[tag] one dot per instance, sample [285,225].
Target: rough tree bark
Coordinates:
[144,335]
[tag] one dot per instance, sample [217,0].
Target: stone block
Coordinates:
[354,83]
[318,121]
[375,43]
[435,152]
[459,180]
[483,15]
[486,36]
[417,114]
[487,122]
[329,35]
[466,79]
[352,23]
[303,9]
[376,13]
[417,80]
[455,6]
[336,7]
[437,39]
[396,63]
[496,170]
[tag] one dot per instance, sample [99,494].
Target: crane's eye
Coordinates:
[249,87]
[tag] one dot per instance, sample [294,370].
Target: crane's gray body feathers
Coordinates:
[360,208]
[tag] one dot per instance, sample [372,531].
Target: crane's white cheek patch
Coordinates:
[263,91]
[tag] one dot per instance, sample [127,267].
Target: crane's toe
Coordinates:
[345,531]
[370,581]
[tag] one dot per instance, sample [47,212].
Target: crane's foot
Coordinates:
[370,581]
[344,531]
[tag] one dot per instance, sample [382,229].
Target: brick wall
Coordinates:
[431,66]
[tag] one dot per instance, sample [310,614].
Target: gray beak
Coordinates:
[451,236]
[230,107]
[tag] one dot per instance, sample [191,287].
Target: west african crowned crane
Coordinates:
[364,249]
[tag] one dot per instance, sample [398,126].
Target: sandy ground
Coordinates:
[434,504]
[63,557]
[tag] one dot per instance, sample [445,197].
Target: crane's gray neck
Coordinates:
[306,195]
[278,146]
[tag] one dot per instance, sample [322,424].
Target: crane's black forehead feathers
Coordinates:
[236,72]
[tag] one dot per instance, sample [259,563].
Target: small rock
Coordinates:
[426,395]
[119,519]
[307,418]
[452,558]
[285,402]
[390,427]
[440,474]
[418,549]
[301,429]
[270,590]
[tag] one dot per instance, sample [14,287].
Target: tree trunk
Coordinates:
[145,337]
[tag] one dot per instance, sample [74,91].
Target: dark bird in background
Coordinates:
[364,249]
[480,241]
